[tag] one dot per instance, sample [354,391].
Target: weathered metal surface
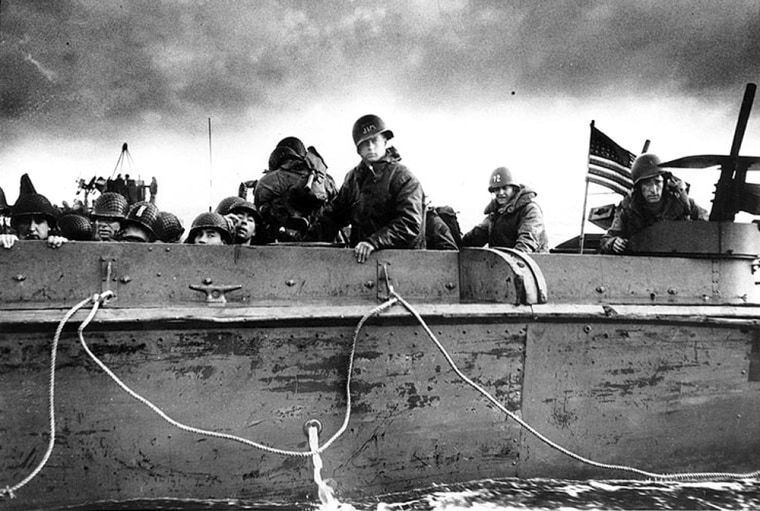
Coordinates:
[627,353]
[154,275]
[699,238]
[659,397]
[413,421]
[614,279]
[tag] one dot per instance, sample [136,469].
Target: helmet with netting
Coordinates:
[32,204]
[168,227]
[110,205]
[75,227]
[144,214]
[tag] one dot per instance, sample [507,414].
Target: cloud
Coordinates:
[89,66]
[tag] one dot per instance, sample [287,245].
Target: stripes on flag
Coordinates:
[609,165]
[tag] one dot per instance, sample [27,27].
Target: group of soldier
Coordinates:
[381,204]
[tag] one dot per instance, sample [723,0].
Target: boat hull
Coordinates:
[662,382]
[675,397]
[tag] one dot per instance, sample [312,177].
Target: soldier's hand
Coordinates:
[363,250]
[619,245]
[232,220]
[8,240]
[56,241]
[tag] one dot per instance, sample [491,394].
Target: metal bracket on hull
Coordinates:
[214,294]
[384,281]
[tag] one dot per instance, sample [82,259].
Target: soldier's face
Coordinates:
[373,149]
[106,228]
[208,237]
[503,194]
[651,189]
[245,227]
[33,228]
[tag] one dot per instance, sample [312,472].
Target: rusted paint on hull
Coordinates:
[662,398]
[413,422]
[621,365]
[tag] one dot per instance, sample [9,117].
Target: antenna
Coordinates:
[210,167]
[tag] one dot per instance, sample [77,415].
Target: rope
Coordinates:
[325,492]
[315,450]
[10,491]
[227,436]
[624,468]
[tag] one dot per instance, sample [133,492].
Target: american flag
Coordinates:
[609,165]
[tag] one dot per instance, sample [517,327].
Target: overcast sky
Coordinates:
[466,86]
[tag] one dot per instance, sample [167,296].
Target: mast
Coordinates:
[210,168]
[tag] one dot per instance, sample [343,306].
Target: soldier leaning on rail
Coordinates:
[514,219]
[244,220]
[657,195]
[293,192]
[139,226]
[33,217]
[108,212]
[380,198]
[5,212]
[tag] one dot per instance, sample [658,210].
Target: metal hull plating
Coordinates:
[669,387]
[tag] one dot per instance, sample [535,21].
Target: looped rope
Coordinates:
[624,468]
[96,299]
[236,438]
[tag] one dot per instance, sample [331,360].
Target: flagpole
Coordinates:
[582,238]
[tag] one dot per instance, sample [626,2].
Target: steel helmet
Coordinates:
[30,204]
[210,221]
[168,227]
[500,177]
[646,166]
[289,148]
[144,214]
[226,204]
[75,227]
[112,205]
[245,205]
[367,127]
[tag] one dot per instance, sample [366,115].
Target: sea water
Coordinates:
[502,495]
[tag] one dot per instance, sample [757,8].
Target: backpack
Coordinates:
[449,216]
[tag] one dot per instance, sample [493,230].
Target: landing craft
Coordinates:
[232,372]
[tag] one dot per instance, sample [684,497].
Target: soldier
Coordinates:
[5,211]
[438,235]
[380,198]
[33,218]
[209,229]
[514,219]
[246,224]
[657,195]
[109,210]
[75,226]
[291,195]
[168,229]
[140,223]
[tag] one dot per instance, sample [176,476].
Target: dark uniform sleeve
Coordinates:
[478,235]
[531,231]
[405,228]
[618,229]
